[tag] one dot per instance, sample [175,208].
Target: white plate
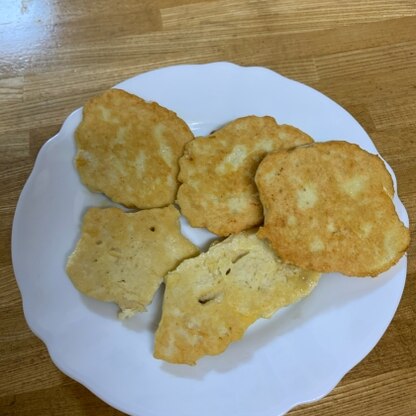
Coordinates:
[297,356]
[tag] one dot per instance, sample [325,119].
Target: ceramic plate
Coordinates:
[297,356]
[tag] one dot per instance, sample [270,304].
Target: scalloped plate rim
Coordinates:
[43,153]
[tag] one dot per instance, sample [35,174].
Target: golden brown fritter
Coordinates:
[122,257]
[128,149]
[328,207]
[217,173]
[210,300]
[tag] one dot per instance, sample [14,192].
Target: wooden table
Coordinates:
[54,54]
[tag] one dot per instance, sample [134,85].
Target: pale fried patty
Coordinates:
[210,300]
[128,149]
[122,257]
[217,173]
[328,207]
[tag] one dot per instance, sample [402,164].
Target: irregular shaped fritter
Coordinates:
[210,300]
[122,257]
[128,149]
[217,173]
[328,207]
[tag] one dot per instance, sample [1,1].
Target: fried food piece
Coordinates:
[210,300]
[328,207]
[122,257]
[217,173]
[128,149]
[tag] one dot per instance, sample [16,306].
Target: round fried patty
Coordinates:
[217,173]
[128,149]
[328,207]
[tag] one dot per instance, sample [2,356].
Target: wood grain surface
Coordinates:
[54,54]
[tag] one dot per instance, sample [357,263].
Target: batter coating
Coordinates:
[122,257]
[217,173]
[210,300]
[128,149]
[328,207]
